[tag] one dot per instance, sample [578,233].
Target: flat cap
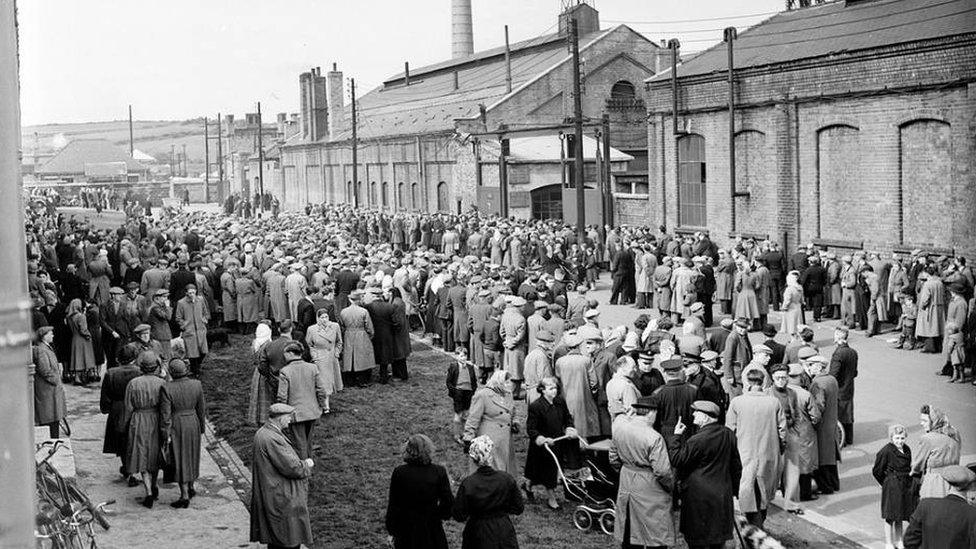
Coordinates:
[795,370]
[589,333]
[743,322]
[519,302]
[805,353]
[708,356]
[672,365]
[958,476]
[545,335]
[760,348]
[541,305]
[142,328]
[115,290]
[280,409]
[591,313]
[706,407]
[572,340]
[162,292]
[697,306]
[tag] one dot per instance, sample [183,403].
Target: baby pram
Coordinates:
[594,488]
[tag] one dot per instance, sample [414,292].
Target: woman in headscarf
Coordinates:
[746,283]
[938,448]
[420,498]
[492,413]
[263,389]
[82,351]
[324,341]
[183,415]
[485,500]
[792,306]
[142,407]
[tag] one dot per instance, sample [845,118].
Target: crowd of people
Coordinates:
[696,415]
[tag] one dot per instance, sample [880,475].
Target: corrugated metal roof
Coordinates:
[834,28]
[73,157]
[431,104]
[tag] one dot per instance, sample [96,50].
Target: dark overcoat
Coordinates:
[843,366]
[279,491]
[401,330]
[183,417]
[382,314]
[941,522]
[49,403]
[112,402]
[420,500]
[708,469]
[142,404]
[484,502]
[550,420]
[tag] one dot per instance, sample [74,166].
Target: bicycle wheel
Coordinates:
[82,498]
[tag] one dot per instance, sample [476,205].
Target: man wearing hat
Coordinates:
[158,317]
[296,286]
[648,378]
[457,301]
[301,386]
[621,391]
[479,310]
[671,404]
[708,384]
[824,389]
[49,402]
[590,317]
[759,424]
[538,364]
[134,306]
[708,466]
[643,503]
[279,481]
[736,355]
[512,329]
[112,402]
[155,278]
[116,330]
[803,443]
[843,366]
[357,340]
[192,316]
[761,356]
[947,522]
[575,372]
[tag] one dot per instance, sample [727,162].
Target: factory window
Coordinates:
[400,196]
[372,193]
[691,181]
[386,194]
[443,201]
[623,90]
[349,197]
[414,196]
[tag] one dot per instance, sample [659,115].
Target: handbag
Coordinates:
[169,462]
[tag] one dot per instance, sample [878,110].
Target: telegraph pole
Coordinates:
[206,161]
[132,144]
[186,168]
[355,146]
[220,156]
[16,392]
[260,159]
[578,131]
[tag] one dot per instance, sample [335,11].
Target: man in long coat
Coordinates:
[538,364]
[709,470]
[279,484]
[671,403]
[478,313]
[843,366]
[760,428]
[112,402]
[803,445]
[736,355]
[824,389]
[512,329]
[381,314]
[357,338]
[274,290]
[301,386]
[930,325]
[296,286]
[575,372]
[456,300]
[192,316]
[115,329]
[643,504]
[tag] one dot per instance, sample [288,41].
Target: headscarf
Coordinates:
[496,382]
[939,423]
[262,335]
[482,451]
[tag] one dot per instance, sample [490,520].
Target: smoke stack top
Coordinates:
[462,29]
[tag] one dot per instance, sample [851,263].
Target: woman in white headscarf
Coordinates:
[492,413]
[262,392]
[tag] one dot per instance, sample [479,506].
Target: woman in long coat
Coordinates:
[324,340]
[93,317]
[931,313]
[792,306]
[357,341]
[112,402]
[49,404]
[938,447]
[182,414]
[264,389]
[724,280]
[746,283]
[662,286]
[682,290]
[892,469]
[142,407]
[549,418]
[248,299]
[492,413]
[401,335]
[420,498]
[485,499]
[82,351]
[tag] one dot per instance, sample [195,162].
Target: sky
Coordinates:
[84,61]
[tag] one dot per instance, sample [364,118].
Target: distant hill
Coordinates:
[154,137]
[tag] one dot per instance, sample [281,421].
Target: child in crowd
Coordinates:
[462,380]
[909,314]
[955,351]
[892,466]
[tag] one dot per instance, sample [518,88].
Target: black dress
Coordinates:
[891,470]
[420,498]
[484,500]
[549,420]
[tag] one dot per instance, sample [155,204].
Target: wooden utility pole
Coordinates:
[355,146]
[607,173]
[578,132]
[132,143]
[206,161]
[508,64]
[220,157]
[186,168]
[16,390]
[260,203]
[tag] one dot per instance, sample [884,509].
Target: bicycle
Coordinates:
[65,516]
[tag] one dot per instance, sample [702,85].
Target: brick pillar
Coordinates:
[788,218]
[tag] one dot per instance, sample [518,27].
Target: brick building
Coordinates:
[418,143]
[854,128]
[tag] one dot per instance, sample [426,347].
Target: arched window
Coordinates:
[692,209]
[443,200]
[623,90]
[372,194]
[385,198]
[349,197]
[414,196]
[401,195]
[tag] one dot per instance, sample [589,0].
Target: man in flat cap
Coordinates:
[804,443]
[279,483]
[538,364]
[513,331]
[575,372]
[824,389]
[709,470]
[116,331]
[159,315]
[736,355]
[704,379]
[843,366]
[947,522]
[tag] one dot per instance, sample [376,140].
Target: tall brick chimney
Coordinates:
[304,89]
[314,107]
[336,98]
[462,29]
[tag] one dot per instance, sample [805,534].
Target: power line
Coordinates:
[668,22]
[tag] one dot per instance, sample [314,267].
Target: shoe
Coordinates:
[155,492]
[133,482]
[795,511]
[529,495]
[180,504]
[553,504]
[813,497]
[190,492]
[147,502]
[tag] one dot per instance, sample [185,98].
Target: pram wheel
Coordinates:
[607,520]
[582,519]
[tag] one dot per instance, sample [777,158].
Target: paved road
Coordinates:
[891,386]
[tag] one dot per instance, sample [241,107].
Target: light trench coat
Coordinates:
[759,424]
[645,469]
[492,414]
